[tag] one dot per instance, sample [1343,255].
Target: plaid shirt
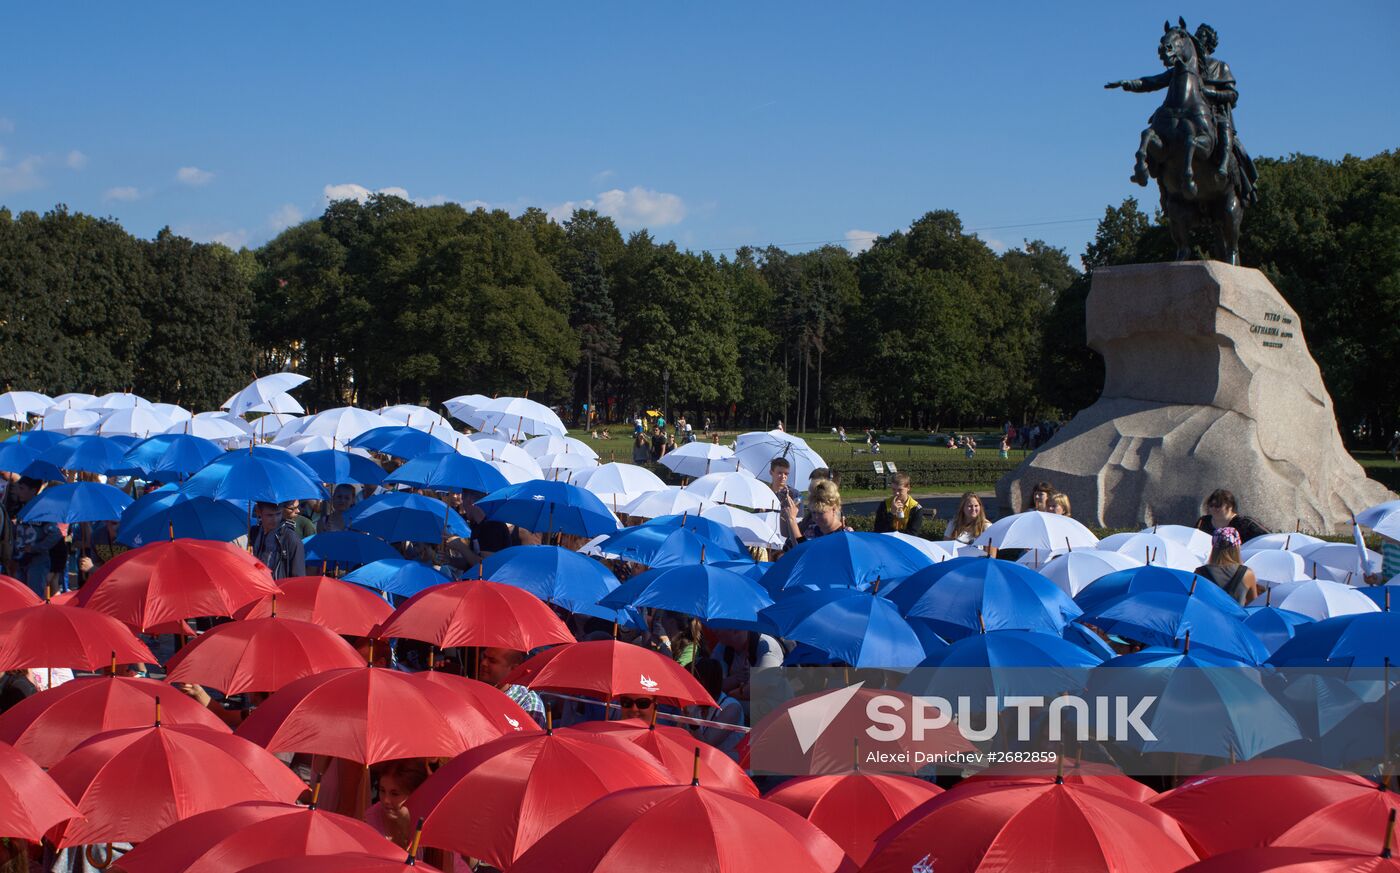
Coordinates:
[528,701]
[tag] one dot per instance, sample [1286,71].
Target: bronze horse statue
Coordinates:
[1179,145]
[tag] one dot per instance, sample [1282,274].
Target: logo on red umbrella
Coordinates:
[649,683]
[924,865]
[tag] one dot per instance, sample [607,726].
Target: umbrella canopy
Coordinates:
[344,423]
[479,712]
[1152,578]
[1206,704]
[548,507]
[606,669]
[1102,777]
[335,467]
[709,529]
[1363,640]
[279,404]
[1038,531]
[361,714]
[347,548]
[936,552]
[1004,663]
[550,444]
[694,460]
[132,783]
[14,594]
[966,595]
[845,560]
[218,427]
[397,576]
[74,400]
[476,613]
[1338,562]
[1274,566]
[551,573]
[248,833]
[717,597]
[332,603]
[168,513]
[169,581]
[48,725]
[756,451]
[1320,598]
[342,862]
[49,635]
[464,405]
[30,802]
[1072,572]
[76,502]
[419,417]
[68,421]
[671,500]
[402,516]
[19,405]
[661,546]
[759,528]
[854,809]
[137,422]
[685,829]
[1153,549]
[676,750]
[263,389]
[738,488]
[120,400]
[1287,859]
[402,441]
[260,654]
[172,456]
[1196,541]
[517,416]
[494,801]
[1031,826]
[256,474]
[853,627]
[16,455]
[86,454]
[1164,618]
[448,471]
[619,479]
[1274,626]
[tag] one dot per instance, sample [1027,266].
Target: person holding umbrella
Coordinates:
[494,664]
[33,540]
[275,542]
[333,515]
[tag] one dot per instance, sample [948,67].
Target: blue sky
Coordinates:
[713,124]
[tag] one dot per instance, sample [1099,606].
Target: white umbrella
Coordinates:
[1320,599]
[615,478]
[700,459]
[937,552]
[280,403]
[1072,571]
[1038,531]
[669,500]
[121,400]
[1289,541]
[752,528]
[1373,515]
[563,466]
[302,445]
[74,400]
[1197,542]
[172,411]
[1337,562]
[210,427]
[1275,566]
[756,451]
[343,423]
[261,390]
[69,421]
[495,450]
[131,421]
[265,426]
[1151,549]
[738,488]
[488,436]
[464,407]
[550,444]
[518,415]
[417,417]
[19,405]
[516,473]
[459,442]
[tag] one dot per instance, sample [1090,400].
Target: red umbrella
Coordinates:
[343,863]
[675,749]
[168,581]
[362,714]
[854,809]
[1251,803]
[482,713]
[683,829]
[14,594]
[476,613]
[492,802]
[1104,777]
[1017,827]
[249,833]
[30,802]
[608,668]
[780,741]
[130,784]
[66,636]
[48,725]
[260,654]
[343,607]
[1296,860]
[1351,823]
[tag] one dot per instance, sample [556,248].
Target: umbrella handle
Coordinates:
[95,858]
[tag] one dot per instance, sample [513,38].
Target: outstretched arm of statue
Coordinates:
[1139,86]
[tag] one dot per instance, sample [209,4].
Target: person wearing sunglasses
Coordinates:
[638,706]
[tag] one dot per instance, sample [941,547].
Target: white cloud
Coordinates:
[75,160]
[122,192]
[635,207]
[234,239]
[23,176]
[860,240]
[603,176]
[284,216]
[6,125]
[352,191]
[193,176]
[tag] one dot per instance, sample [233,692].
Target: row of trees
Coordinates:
[387,301]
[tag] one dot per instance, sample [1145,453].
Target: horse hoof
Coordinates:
[1188,189]
[1139,178]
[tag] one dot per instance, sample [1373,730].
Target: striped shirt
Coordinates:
[528,701]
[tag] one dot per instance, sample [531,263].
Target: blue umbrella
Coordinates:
[1205,704]
[1384,595]
[157,516]
[1154,578]
[965,595]
[845,560]
[1003,663]
[256,474]
[747,568]
[663,547]
[401,441]
[402,516]
[1087,640]
[396,576]
[78,502]
[16,456]
[1319,703]
[347,548]
[706,527]
[89,454]
[717,597]
[553,574]
[625,617]
[538,505]
[853,627]
[1274,626]
[1166,618]
[1364,640]
[170,456]
[38,440]
[335,467]
[448,471]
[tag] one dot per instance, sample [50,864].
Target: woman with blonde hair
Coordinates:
[823,513]
[970,521]
[1226,569]
[1059,503]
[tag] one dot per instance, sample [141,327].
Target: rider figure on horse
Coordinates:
[1220,90]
